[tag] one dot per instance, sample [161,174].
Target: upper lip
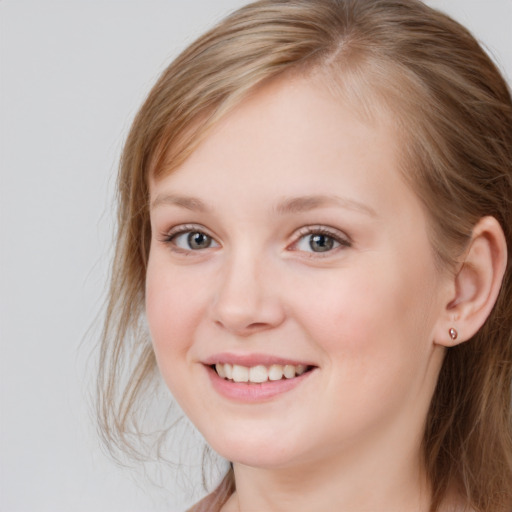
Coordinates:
[249,360]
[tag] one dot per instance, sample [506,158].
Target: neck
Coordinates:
[384,481]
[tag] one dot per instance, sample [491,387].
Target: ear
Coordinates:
[475,287]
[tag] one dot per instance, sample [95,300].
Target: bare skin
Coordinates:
[289,234]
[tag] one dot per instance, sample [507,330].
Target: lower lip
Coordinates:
[252,392]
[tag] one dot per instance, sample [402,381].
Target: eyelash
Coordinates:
[169,237]
[342,241]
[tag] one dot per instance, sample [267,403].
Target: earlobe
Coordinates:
[476,285]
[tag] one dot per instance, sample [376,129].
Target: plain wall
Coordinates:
[72,75]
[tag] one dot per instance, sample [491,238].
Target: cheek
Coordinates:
[173,310]
[372,331]
[372,322]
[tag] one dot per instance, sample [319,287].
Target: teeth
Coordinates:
[240,373]
[300,369]
[258,374]
[220,370]
[289,371]
[275,372]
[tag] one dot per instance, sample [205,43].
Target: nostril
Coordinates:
[241,329]
[244,308]
[257,326]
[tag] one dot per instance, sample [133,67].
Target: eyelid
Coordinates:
[341,238]
[168,236]
[338,236]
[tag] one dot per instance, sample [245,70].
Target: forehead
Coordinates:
[290,138]
[373,90]
[288,124]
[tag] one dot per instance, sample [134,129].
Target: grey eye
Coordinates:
[321,243]
[197,240]
[318,242]
[190,240]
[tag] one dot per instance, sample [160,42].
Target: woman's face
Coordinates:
[288,242]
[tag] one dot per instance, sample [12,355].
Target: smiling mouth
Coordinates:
[259,374]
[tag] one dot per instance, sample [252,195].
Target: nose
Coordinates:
[247,298]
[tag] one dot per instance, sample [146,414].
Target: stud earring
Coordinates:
[453,333]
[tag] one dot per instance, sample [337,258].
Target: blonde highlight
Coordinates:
[456,122]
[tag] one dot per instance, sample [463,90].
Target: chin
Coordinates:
[258,450]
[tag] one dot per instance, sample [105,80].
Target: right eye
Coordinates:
[191,240]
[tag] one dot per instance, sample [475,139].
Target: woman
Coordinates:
[315,209]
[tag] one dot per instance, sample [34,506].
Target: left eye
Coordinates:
[193,241]
[318,242]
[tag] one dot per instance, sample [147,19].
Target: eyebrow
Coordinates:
[190,203]
[286,206]
[307,203]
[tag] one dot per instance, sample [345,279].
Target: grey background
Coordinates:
[72,75]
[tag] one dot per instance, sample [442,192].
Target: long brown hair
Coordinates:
[453,111]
